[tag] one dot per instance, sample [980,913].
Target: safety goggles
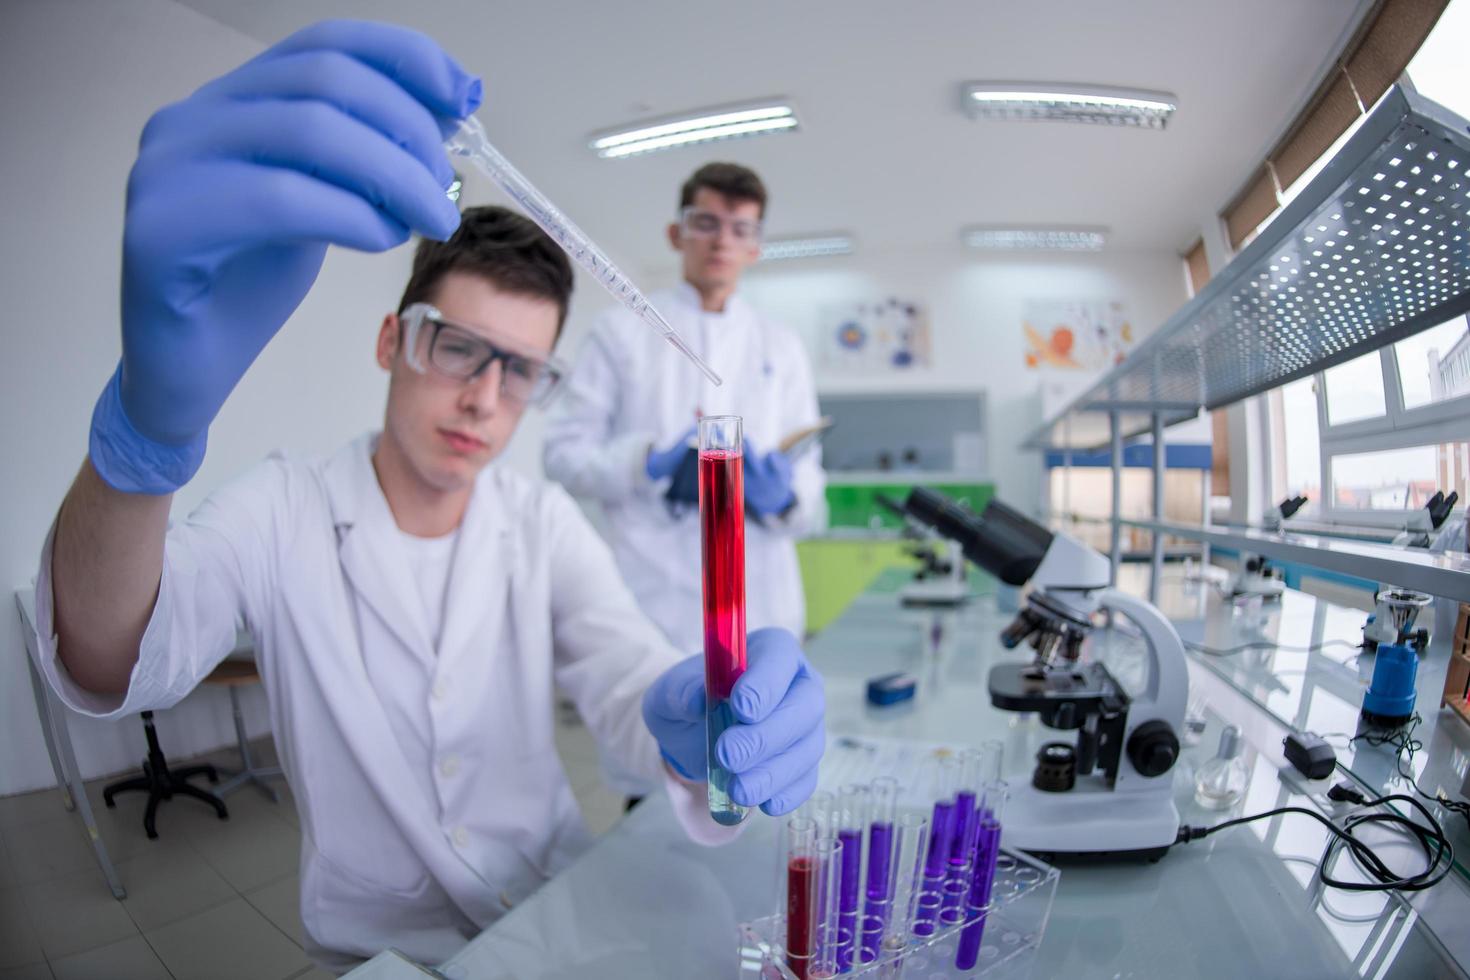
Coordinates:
[462,355]
[706,224]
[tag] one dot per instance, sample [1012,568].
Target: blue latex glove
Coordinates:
[767,481]
[333,136]
[774,748]
[662,463]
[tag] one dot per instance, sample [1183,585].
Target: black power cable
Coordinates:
[1439,855]
[1405,744]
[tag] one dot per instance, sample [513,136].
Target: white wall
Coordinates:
[976,304]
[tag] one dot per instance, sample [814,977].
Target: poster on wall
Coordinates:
[1077,335]
[891,335]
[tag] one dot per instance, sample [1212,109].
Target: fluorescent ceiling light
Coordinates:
[1023,238]
[704,126]
[806,248]
[1069,103]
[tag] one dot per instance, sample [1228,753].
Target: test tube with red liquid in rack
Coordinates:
[722,542]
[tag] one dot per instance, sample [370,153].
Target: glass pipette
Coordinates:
[470,141]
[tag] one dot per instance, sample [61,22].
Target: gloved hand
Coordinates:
[662,463]
[332,136]
[774,748]
[767,481]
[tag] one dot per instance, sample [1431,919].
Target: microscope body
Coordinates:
[1108,791]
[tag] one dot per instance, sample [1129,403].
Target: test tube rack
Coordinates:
[1015,921]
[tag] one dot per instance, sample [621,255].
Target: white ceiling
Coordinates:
[884,150]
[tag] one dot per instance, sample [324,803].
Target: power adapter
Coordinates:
[1310,754]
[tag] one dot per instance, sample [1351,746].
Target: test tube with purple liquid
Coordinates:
[941,837]
[883,802]
[987,851]
[852,818]
[965,820]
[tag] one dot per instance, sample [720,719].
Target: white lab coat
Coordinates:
[430,792]
[630,390]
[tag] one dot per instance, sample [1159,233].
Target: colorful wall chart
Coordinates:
[875,337]
[1079,335]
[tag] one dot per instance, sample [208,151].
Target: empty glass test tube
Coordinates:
[911,843]
[821,808]
[826,909]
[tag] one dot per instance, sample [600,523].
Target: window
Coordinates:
[1395,432]
[1398,34]
[1434,366]
[1440,69]
[1393,479]
[1196,268]
[1355,390]
[1300,459]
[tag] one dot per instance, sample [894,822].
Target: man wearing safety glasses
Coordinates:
[411,605]
[621,433]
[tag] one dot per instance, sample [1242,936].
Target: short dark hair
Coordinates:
[730,179]
[500,245]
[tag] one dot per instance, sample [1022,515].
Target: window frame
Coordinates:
[1399,427]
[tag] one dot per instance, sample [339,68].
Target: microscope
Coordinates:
[1108,790]
[1256,575]
[939,581]
[1430,526]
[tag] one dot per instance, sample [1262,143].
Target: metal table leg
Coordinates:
[63,754]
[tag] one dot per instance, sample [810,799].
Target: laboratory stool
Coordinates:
[162,783]
[234,674]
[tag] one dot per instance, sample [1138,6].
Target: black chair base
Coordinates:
[162,783]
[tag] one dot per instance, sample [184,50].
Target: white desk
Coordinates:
[645,902]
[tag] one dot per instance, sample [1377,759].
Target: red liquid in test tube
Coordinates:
[801,872]
[722,539]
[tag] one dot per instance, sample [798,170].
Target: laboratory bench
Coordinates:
[644,901]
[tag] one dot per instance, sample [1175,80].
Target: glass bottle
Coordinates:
[1220,783]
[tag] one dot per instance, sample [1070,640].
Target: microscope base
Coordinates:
[1092,822]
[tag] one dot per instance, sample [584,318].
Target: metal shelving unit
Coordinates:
[1411,568]
[1375,248]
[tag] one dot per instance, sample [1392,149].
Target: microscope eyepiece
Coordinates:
[1001,540]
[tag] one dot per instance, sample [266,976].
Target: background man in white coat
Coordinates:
[411,606]
[621,433]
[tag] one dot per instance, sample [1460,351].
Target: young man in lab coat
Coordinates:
[620,434]
[411,605]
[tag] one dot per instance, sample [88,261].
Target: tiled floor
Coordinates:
[207,900]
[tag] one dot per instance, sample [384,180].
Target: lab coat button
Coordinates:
[461,837]
[440,691]
[448,766]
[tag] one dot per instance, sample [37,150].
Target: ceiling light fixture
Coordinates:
[1016,238]
[1069,103]
[812,247]
[703,126]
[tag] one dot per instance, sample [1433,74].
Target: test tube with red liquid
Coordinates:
[799,870]
[722,542]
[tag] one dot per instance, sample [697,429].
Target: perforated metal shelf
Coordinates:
[1374,249]
[1445,575]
